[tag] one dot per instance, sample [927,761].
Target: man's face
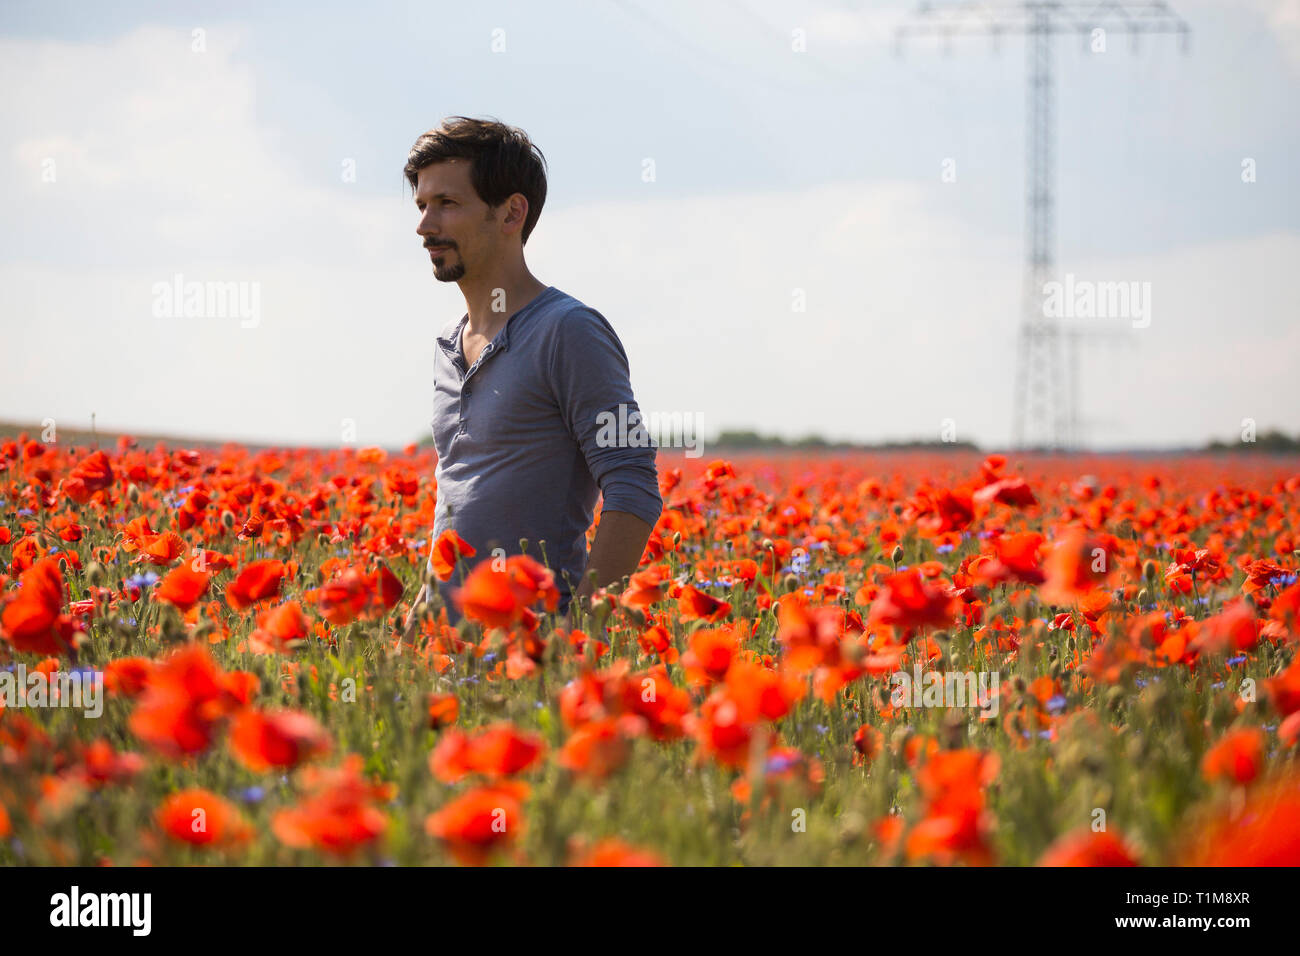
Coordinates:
[455,224]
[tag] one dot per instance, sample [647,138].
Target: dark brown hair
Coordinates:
[503,161]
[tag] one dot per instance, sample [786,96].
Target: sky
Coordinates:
[831,241]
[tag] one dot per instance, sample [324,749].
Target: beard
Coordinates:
[449,273]
[446,272]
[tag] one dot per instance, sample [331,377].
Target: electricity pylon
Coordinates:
[1046,389]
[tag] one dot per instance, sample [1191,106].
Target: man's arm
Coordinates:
[620,541]
[591,383]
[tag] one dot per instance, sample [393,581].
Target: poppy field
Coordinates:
[847,659]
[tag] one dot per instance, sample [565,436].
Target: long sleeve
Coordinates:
[592,386]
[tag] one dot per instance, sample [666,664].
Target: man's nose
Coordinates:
[426,225]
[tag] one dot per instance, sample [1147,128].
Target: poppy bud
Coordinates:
[1143,597]
[227,520]
[767,544]
[133,493]
[897,554]
[1149,570]
[95,573]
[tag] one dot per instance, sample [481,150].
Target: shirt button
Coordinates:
[467,391]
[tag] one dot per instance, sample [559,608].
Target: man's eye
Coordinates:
[448,202]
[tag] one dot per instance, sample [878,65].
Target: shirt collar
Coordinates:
[451,343]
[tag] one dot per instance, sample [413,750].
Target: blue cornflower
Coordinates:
[1232,661]
[1056,704]
[780,762]
[143,581]
[252,794]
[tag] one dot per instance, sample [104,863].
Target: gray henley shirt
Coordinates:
[523,438]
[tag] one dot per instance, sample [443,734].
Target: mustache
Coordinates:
[449,245]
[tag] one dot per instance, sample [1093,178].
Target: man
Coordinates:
[526,381]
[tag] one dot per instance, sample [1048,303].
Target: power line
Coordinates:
[1046,403]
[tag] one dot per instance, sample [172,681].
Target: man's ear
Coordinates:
[517,209]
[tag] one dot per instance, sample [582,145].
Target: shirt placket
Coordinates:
[466,390]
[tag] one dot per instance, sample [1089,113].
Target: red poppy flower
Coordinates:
[187,699]
[183,587]
[339,815]
[480,822]
[614,852]
[257,581]
[1238,757]
[32,620]
[445,551]
[908,602]
[201,818]
[1088,848]
[261,740]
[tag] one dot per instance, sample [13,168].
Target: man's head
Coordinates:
[479,186]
